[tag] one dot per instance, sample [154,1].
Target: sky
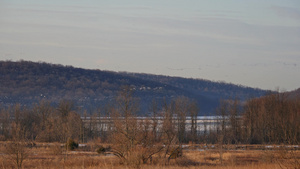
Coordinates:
[253,43]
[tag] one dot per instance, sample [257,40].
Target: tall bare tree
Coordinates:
[133,141]
[125,124]
[234,112]
[181,109]
[169,134]
[193,110]
[154,119]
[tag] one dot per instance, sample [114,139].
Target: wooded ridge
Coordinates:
[27,82]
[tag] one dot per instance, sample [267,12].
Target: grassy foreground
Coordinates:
[53,156]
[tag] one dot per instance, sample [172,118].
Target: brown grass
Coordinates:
[52,157]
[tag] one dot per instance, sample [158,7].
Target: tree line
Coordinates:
[272,119]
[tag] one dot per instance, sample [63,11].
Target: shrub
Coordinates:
[101,150]
[71,144]
[17,152]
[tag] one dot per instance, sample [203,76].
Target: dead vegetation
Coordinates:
[48,156]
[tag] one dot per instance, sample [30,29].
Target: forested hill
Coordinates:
[217,90]
[28,82]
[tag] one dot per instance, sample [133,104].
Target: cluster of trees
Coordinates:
[46,122]
[270,119]
[43,122]
[134,139]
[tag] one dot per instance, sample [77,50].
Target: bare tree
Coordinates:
[68,121]
[125,123]
[154,119]
[249,119]
[193,109]
[43,110]
[181,109]
[16,150]
[222,112]
[133,139]
[234,111]
[73,126]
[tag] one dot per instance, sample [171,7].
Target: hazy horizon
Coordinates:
[251,43]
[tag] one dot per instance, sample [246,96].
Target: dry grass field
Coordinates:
[53,156]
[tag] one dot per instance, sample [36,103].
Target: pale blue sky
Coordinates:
[254,43]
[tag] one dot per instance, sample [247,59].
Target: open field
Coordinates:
[52,156]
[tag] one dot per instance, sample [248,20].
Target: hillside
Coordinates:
[295,94]
[216,90]
[28,82]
